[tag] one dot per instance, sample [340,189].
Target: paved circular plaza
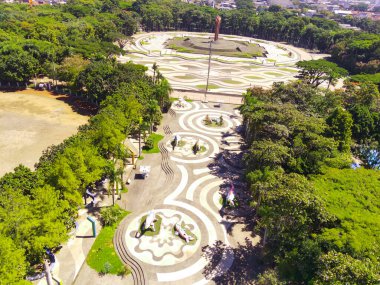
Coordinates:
[187,188]
[233,75]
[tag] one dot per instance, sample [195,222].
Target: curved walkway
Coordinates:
[230,75]
[183,189]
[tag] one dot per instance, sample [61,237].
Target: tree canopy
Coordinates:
[316,215]
[315,72]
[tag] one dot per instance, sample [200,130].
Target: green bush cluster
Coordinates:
[318,216]
[111,215]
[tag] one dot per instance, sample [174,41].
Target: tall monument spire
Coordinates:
[218,20]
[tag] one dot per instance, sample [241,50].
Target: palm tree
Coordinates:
[159,77]
[114,177]
[163,90]
[153,112]
[155,69]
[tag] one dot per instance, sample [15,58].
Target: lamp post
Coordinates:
[208,72]
[218,20]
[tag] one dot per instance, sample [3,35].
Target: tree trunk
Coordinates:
[258,204]
[265,237]
[113,194]
[49,279]
[139,142]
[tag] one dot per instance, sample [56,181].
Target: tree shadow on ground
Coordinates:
[78,105]
[246,266]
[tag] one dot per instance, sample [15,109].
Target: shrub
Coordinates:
[220,123]
[196,148]
[111,215]
[124,271]
[207,120]
[106,268]
[149,143]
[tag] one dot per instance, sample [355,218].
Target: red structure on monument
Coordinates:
[218,20]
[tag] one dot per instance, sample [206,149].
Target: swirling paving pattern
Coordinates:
[188,71]
[164,248]
[199,182]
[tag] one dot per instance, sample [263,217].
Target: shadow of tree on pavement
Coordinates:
[246,266]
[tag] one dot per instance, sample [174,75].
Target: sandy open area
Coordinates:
[31,121]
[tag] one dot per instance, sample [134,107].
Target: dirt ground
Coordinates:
[30,121]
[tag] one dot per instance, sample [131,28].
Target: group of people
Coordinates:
[44,86]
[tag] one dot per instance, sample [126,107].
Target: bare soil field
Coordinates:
[30,121]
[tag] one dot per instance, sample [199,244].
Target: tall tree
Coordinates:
[339,268]
[317,71]
[12,262]
[340,124]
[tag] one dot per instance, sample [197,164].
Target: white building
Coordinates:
[342,12]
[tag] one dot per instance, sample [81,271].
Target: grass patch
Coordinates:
[156,138]
[289,70]
[102,256]
[181,143]
[185,77]
[253,77]
[271,60]
[180,49]
[214,124]
[202,149]
[232,48]
[173,99]
[230,81]
[150,232]
[274,73]
[210,86]
[191,242]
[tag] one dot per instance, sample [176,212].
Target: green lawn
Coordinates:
[156,138]
[230,81]
[185,77]
[210,86]
[253,77]
[189,233]
[197,45]
[103,257]
[173,99]
[353,196]
[274,73]
[150,232]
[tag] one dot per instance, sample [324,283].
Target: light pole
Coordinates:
[208,72]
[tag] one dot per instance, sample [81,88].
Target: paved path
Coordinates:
[188,189]
[71,257]
[71,266]
[228,74]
